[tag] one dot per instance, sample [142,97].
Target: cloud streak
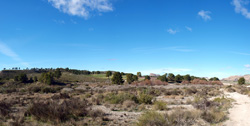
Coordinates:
[5,50]
[189,29]
[205,15]
[240,7]
[82,8]
[171,31]
[153,50]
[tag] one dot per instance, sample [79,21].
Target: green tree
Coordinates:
[147,77]
[178,78]
[117,78]
[108,74]
[241,81]
[214,79]
[31,80]
[35,79]
[138,74]
[135,77]
[171,77]
[47,78]
[98,72]
[187,77]
[130,78]
[58,73]
[163,78]
[23,78]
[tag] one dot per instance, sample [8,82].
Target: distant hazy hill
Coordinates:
[236,78]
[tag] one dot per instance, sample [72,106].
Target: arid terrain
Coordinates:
[77,99]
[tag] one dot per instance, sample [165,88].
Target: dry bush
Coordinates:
[214,116]
[199,81]
[56,112]
[185,82]
[96,113]
[60,96]
[5,109]
[149,82]
[177,118]
[160,105]
[128,104]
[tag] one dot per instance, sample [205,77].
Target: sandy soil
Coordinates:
[240,112]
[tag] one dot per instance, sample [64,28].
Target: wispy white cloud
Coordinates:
[240,53]
[205,15]
[82,8]
[180,49]
[189,29]
[73,21]
[247,66]
[157,49]
[166,70]
[59,21]
[171,31]
[240,7]
[5,50]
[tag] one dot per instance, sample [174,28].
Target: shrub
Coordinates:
[152,118]
[241,81]
[114,98]
[214,116]
[117,78]
[55,112]
[160,105]
[145,98]
[177,118]
[130,78]
[147,77]
[47,78]
[4,108]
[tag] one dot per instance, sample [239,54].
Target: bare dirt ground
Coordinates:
[240,112]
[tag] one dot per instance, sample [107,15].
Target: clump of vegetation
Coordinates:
[47,78]
[5,108]
[177,118]
[114,98]
[22,78]
[160,105]
[117,78]
[145,98]
[56,112]
[241,81]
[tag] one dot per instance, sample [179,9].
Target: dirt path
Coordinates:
[240,112]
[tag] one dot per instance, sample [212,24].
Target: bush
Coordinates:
[55,112]
[177,118]
[117,78]
[214,116]
[147,77]
[47,78]
[114,98]
[4,108]
[241,81]
[160,105]
[145,98]
[152,118]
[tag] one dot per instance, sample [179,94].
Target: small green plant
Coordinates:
[160,105]
[145,98]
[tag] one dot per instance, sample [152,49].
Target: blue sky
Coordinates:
[200,37]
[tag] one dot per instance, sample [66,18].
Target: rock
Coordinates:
[66,90]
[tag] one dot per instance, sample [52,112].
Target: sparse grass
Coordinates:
[56,112]
[178,117]
[160,105]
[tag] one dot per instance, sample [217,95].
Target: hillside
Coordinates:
[236,78]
